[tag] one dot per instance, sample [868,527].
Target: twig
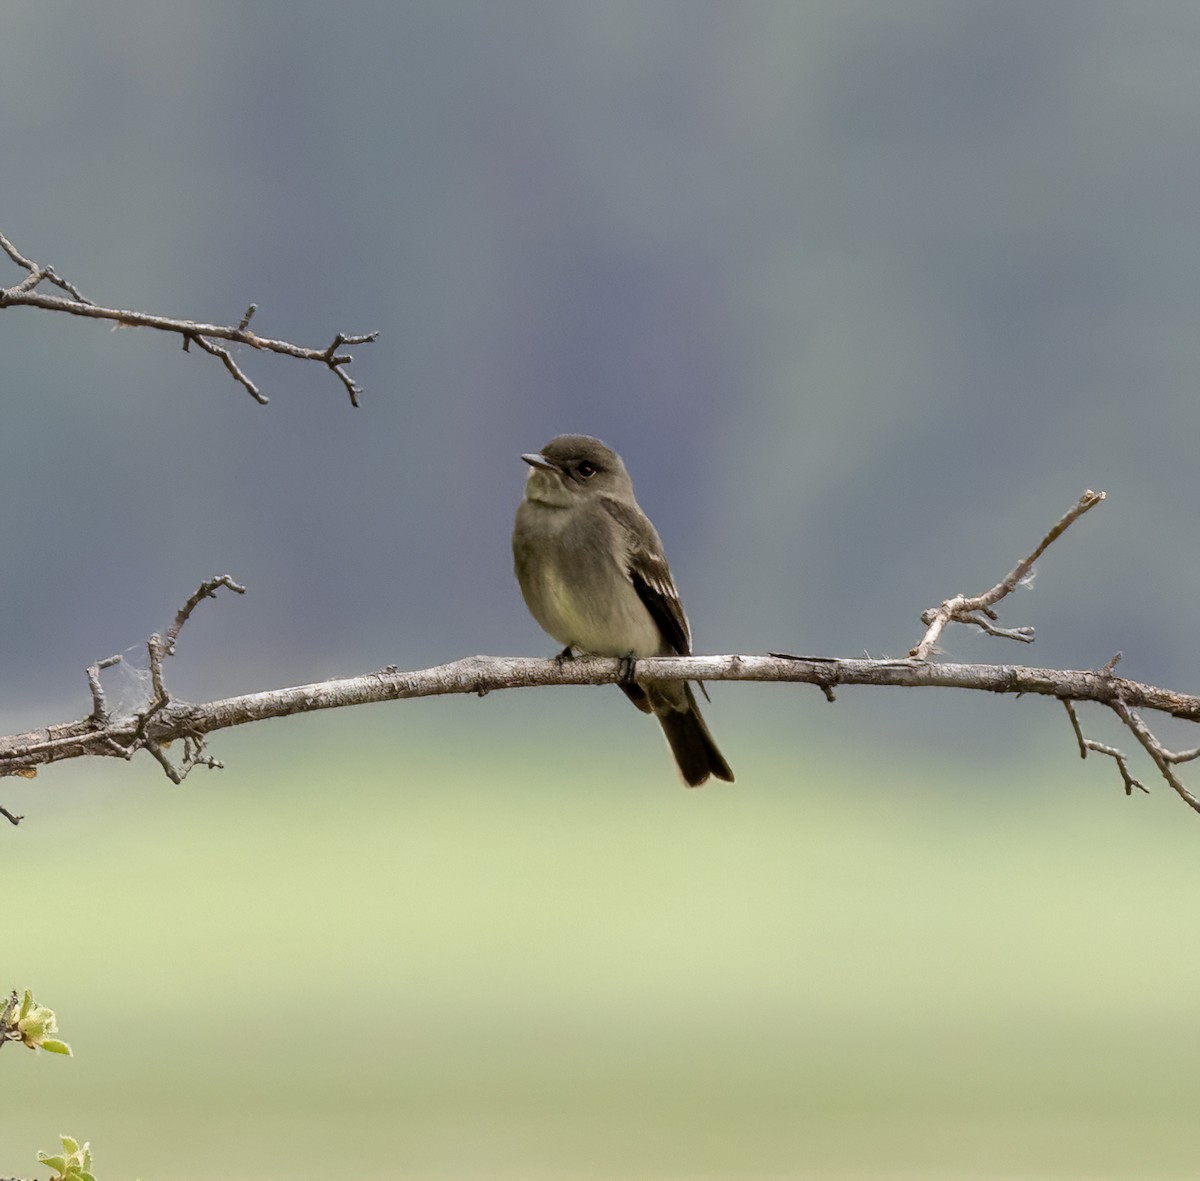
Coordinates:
[159,648]
[104,737]
[38,273]
[157,751]
[99,704]
[1159,755]
[227,360]
[206,590]
[977,610]
[25,294]
[1086,744]
[1182,756]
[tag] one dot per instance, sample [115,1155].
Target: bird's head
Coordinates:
[572,467]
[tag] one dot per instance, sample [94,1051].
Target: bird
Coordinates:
[593,574]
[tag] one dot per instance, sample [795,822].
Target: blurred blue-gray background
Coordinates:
[866,293]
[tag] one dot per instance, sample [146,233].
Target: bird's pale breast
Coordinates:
[581,595]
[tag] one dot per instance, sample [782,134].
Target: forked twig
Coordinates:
[977,610]
[205,336]
[1159,755]
[1086,744]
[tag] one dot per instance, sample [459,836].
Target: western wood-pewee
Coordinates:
[593,573]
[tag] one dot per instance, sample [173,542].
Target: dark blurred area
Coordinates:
[865,294]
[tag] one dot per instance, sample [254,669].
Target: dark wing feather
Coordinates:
[651,576]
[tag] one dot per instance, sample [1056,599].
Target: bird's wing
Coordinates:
[647,568]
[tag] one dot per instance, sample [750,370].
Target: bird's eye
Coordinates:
[586,470]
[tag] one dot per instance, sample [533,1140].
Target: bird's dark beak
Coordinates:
[540,462]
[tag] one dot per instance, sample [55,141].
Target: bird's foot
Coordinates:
[626,666]
[568,653]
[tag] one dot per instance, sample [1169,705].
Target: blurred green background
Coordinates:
[866,294]
[369,950]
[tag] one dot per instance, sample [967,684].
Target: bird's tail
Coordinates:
[689,739]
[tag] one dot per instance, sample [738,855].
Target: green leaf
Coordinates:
[39,1022]
[57,1163]
[56,1047]
[70,1145]
[26,1004]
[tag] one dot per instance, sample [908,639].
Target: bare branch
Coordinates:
[1086,744]
[1083,746]
[1182,756]
[206,590]
[157,751]
[26,294]
[177,720]
[112,740]
[165,719]
[1023,634]
[968,610]
[37,273]
[99,705]
[227,360]
[1159,755]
